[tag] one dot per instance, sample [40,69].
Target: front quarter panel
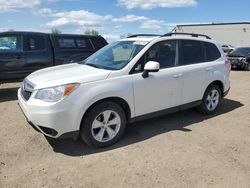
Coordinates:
[89,93]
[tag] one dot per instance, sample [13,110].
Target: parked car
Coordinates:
[240,58]
[127,81]
[24,52]
[227,48]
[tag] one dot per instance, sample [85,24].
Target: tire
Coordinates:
[247,67]
[103,125]
[211,100]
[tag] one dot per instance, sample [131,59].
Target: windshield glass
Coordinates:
[240,52]
[115,56]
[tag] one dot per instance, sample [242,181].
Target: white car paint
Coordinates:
[164,89]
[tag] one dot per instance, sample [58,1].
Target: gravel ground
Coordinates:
[185,149]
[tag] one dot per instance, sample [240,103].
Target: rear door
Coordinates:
[38,52]
[12,57]
[195,67]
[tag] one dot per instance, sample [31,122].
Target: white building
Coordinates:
[235,34]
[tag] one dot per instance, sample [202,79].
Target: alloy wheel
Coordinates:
[106,126]
[212,100]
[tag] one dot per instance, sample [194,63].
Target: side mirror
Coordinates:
[151,66]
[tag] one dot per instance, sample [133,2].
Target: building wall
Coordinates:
[233,34]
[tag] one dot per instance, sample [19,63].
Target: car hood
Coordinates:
[229,55]
[65,74]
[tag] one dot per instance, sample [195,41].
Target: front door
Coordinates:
[161,90]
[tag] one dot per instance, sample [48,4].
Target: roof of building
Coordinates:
[212,24]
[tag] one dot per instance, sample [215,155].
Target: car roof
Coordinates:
[151,38]
[33,32]
[143,39]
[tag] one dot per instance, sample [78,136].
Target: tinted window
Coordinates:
[98,42]
[35,42]
[74,42]
[83,43]
[192,52]
[212,51]
[9,43]
[162,52]
[66,43]
[166,54]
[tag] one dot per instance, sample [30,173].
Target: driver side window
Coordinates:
[163,52]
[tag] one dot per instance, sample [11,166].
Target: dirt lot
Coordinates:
[184,149]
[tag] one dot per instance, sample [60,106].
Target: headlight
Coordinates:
[55,94]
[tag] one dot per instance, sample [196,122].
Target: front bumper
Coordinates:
[238,64]
[54,120]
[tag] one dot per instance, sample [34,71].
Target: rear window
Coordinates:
[192,52]
[212,51]
[74,43]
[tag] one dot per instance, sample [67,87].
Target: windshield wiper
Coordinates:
[93,65]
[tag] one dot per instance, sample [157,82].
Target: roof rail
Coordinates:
[143,35]
[191,34]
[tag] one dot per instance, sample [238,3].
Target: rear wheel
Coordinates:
[211,100]
[104,125]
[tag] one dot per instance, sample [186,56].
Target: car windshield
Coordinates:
[115,56]
[240,52]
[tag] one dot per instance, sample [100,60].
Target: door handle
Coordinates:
[208,68]
[19,56]
[177,75]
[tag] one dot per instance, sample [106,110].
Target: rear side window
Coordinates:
[35,42]
[66,43]
[69,42]
[98,42]
[81,43]
[10,43]
[212,51]
[192,52]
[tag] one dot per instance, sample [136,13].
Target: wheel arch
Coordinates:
[118,100]
[219,83]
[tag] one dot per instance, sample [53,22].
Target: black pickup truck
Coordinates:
[24,52]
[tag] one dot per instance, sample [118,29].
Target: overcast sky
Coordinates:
[115,17]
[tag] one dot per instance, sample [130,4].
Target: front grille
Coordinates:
[26,94]
[26,90]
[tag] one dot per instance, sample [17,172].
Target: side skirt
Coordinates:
[165,111]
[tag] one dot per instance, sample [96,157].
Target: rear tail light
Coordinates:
[228,65]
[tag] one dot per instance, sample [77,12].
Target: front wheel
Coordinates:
[103,125]
[211,100]
[247,67]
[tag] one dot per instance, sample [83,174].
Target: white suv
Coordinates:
[129,80]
